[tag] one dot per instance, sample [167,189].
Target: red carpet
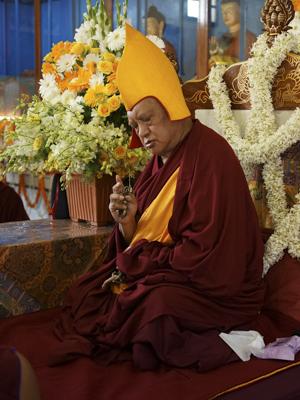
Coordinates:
[84,379]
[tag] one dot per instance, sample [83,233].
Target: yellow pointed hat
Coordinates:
[145,71]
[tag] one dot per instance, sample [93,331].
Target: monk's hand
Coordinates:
[123,206]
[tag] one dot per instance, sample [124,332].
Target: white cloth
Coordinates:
[244,343]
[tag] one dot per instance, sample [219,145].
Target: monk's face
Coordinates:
[154,128]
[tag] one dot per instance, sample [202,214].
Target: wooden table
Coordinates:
[40,259]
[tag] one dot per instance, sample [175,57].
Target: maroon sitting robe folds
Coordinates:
[179,296]
[11,206]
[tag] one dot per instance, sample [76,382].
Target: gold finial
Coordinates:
[276,16]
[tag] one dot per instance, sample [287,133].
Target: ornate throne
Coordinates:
[283,279]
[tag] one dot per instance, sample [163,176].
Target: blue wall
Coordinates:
[16,37]
[60,18]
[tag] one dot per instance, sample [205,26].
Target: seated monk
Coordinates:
[11,205]
[184,261]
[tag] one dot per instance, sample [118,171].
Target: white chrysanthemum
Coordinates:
[85,32]
[48,86]
[157,41]
[91,58]
[65,63]
[96,79]
[116,39]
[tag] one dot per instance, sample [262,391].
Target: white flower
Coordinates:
[263,142]
[65,63]
[48,86]
[52,99]
[116,39]
[67,97]
[91,58]
[84,34]
[96,79]
[157,41]
[100,34]
[76,105]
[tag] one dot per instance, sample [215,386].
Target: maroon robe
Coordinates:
[180,296]
[11,205]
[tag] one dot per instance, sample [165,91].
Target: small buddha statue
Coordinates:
[155,25]
[226,49]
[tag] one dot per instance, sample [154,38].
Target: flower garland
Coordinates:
[262,142]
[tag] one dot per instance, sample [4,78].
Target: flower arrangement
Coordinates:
[79,125]
[262,142]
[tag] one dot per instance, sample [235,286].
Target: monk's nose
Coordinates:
[143,131]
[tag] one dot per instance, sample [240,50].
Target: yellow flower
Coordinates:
[63,83]
[94,50]
[49,57]
[90,98]
[107,56]
[77,48]
[104,110]
[120,152]
[37,144]
[99,90]
[82,80]
[106,67]
[48,68]
[61,48]
[110,89]
[91,67]
[114,102]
